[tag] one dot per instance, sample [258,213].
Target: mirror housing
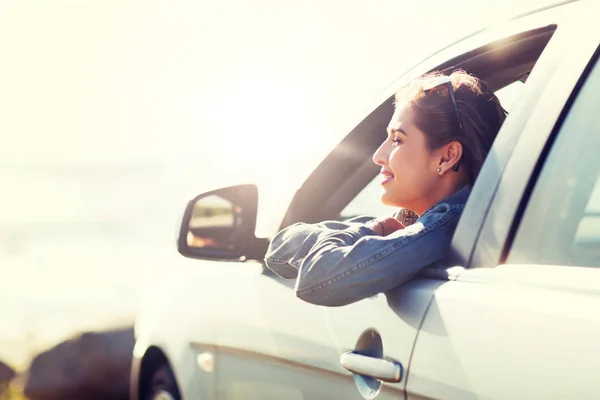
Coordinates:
[220,225]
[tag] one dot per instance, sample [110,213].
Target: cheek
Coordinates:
[410,164]
[405,158]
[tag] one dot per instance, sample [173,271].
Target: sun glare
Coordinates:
[263,134]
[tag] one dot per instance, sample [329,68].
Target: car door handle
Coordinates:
[382,369]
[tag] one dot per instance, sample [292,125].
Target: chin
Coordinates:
[393,200]
[389,200]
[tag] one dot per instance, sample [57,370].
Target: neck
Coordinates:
[447,186]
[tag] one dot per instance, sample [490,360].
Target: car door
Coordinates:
[271,345]
[522,321]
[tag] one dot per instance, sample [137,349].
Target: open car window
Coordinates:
[368,200]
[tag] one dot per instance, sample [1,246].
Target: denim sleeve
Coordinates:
[339,267]
[289,247]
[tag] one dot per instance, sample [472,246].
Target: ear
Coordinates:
[449,156]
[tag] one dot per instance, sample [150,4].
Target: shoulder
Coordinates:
[445,212]
[441,214]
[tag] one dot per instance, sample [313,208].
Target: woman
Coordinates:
[439,135]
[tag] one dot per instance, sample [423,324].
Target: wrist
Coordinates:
[376,226]
[382,227]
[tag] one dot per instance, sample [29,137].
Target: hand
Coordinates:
[385,226]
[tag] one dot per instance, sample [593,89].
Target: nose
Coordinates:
[381,155]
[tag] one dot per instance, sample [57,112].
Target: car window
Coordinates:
[561,223]
[368,202]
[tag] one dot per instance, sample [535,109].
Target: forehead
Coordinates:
[402,118]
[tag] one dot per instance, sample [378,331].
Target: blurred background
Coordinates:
[114,113]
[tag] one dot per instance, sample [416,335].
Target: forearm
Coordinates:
[338,271]
[290,247]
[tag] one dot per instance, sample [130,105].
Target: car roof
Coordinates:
[503,29]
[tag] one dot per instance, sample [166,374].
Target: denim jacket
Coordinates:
[338,263]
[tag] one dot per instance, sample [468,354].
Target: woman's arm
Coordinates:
[289,247]
[336,267]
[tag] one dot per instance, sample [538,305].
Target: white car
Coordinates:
[515,315]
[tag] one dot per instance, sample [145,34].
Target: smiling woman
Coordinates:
[439,134]
[367,202]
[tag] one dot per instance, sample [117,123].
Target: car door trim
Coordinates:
[267,358]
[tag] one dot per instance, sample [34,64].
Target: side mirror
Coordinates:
[219,225]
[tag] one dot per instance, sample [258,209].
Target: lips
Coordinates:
[387,177]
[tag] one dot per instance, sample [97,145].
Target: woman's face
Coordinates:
[408,167]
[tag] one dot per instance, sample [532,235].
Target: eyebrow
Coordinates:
[396,130]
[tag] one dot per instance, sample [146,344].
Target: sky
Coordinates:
[114,112]
[104,81]
[111,91]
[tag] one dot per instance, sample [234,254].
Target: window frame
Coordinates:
[555,95]
[348,168]
[551,219]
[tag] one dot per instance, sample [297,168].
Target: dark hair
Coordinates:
[480,111]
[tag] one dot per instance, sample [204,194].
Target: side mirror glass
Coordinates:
[220,224]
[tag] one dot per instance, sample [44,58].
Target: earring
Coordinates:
[438,170]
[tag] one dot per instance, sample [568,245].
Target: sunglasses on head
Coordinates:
[444,81]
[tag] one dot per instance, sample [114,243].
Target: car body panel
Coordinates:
[258,323]
[396,316]
[226,305]
[511,332]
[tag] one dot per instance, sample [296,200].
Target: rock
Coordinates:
[6,375]
[93,365]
